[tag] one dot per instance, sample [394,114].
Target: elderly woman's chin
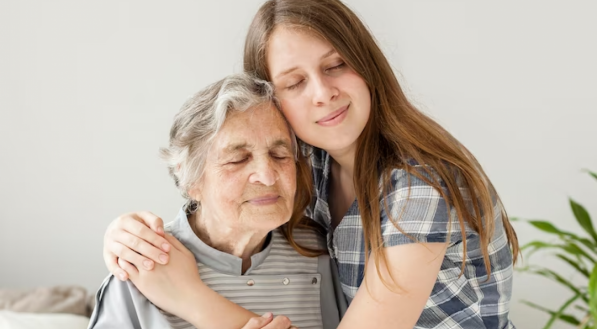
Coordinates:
[266,212]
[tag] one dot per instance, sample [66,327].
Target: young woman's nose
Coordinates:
[264,172]
[323,90]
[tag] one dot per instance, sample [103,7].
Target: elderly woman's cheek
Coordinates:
[288,177]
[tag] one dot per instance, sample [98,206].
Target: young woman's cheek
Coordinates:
[290,111]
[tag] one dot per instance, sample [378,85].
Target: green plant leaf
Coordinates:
[583,218]
[593,294]
[547,273]
[573,248]
[560,311]
[564,317]
[591,173]
[585,242]
[546,226]
[578,265]
[570,247]
[537,245]
[552,229]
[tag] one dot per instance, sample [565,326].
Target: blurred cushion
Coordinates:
[15,320]
[60,299]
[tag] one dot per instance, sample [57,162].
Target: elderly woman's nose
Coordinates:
[264,172]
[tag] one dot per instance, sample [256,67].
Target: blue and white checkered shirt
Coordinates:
[467,301]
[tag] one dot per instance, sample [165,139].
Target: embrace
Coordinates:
[317,196]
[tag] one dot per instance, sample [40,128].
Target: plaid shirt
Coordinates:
[466,301]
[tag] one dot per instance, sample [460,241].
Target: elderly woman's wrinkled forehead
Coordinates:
[261,128]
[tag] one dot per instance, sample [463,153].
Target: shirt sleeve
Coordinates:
[120,305]
[417,213]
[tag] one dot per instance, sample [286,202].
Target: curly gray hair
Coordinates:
[202,117]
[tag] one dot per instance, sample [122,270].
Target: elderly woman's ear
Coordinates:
[195,194]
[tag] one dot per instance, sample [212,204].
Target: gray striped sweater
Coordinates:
[279,280]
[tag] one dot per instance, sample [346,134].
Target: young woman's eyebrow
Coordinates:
[326,55]
[329,53]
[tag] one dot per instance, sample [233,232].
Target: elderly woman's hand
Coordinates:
[137,238]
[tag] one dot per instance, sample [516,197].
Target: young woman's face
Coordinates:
[326,102]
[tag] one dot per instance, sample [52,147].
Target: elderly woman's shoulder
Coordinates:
[119,304]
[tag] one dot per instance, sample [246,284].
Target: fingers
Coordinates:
[177,244]
[259,322]
[123,252]
[111,261]
[135,225]
[133,272]
[280,322]
[154,222]
[131,232]
[265,322]
[140,246]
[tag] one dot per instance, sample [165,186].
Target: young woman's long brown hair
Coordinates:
[396,130]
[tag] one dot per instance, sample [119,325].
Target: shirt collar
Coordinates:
[210,257]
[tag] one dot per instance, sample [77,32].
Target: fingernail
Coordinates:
[122,276]
[163,258]
[166,247]
[267,315]
[160,230]
[148,264]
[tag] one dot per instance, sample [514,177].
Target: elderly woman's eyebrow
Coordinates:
[244,146]
[232,148]
[284,143]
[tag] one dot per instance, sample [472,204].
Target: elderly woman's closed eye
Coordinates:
[234,158]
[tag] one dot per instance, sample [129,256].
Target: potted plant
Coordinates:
[579,252]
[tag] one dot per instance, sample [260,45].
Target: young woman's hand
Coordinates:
[267,321]
[138,239]
[170,287]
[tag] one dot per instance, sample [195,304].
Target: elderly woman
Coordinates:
[233,156]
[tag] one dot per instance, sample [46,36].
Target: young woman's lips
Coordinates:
[335,117]
[264,200]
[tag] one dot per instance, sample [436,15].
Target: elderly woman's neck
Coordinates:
[232,240]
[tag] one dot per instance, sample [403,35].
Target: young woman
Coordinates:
[414,224]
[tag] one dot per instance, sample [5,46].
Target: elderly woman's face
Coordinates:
[250,173]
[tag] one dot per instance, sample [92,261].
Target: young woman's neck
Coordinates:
[341,187]
[344,159]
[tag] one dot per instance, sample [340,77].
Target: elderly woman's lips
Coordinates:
[264,200]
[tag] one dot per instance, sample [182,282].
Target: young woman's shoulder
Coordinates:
[413,210]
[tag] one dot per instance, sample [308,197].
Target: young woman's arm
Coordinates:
[414,268]
[178,289]
[410,275]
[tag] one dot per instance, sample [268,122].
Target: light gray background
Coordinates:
[88,90]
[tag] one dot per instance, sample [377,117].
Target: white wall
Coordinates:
[88,91]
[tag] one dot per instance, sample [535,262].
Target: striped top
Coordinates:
[280,280]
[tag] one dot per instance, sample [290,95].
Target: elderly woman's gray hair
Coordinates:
[202,117]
